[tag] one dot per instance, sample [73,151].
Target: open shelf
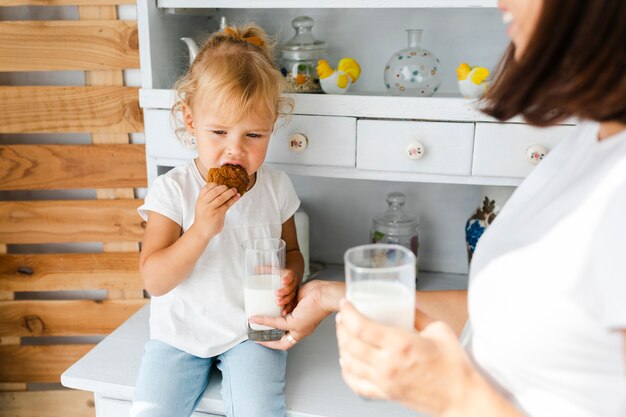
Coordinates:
[438,108]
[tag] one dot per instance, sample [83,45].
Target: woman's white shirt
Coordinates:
[547,295]
[204,315]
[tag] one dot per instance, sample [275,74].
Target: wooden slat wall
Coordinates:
[102,46]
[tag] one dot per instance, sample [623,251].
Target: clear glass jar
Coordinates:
[395,226]
[299,56]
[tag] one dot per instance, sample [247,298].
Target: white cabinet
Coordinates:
[366,133]
[162,141]
[419,147]
[512,150]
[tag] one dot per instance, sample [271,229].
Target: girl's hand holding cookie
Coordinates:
[213,202]
[287,294]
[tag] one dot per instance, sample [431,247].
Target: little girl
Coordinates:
[191,258]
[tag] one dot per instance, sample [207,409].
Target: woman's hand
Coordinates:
[427,370]
[316,300]
[211,206]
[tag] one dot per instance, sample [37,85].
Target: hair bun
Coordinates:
[255,40]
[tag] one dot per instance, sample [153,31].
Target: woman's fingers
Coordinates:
[356,353]
[359,326]
[281,323]
[421,320]
[282,344]
[287,323]
[362,386]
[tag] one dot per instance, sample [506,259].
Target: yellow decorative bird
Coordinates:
[338,81]
[472,80]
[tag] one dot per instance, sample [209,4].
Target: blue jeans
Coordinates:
[171,382]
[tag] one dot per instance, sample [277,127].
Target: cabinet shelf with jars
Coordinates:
[366,133]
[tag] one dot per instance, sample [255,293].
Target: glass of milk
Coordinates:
[380,283]
[264,269]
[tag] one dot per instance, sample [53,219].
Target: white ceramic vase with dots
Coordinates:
[413,71]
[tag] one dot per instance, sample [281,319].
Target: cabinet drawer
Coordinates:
[314,140]
[501,149]
[446,148]
[161,140]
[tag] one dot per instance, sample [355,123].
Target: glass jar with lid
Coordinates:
[395,226]
[299,56]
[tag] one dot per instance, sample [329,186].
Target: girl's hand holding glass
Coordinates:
[213,202]
[287,293]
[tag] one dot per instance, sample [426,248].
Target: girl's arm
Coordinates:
[294,264]
[167,258]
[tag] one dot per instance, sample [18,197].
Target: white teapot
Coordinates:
[193,46]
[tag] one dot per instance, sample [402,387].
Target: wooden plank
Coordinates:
[12,386]
[25,222]
[99,12]
[68,45]
[111,109]
[43,363]
[70,271]
[64,2]
[64,317]
[4,294]
[38,167]
[58,403]
[10,340]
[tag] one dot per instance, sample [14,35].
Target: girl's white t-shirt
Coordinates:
[204,315]
[547,294]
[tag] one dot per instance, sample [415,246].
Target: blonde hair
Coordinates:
[235,70]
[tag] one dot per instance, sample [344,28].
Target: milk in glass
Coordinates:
[386,302]
[260,298]
[380,283]
[264,267]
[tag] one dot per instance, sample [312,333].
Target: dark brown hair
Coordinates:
[574,65]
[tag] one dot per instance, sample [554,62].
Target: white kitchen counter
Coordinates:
[314,385]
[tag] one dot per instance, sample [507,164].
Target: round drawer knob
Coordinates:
[298,142]
[415,150]
[535,153]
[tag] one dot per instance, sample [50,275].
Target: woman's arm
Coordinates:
[317,299]
[449,306]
